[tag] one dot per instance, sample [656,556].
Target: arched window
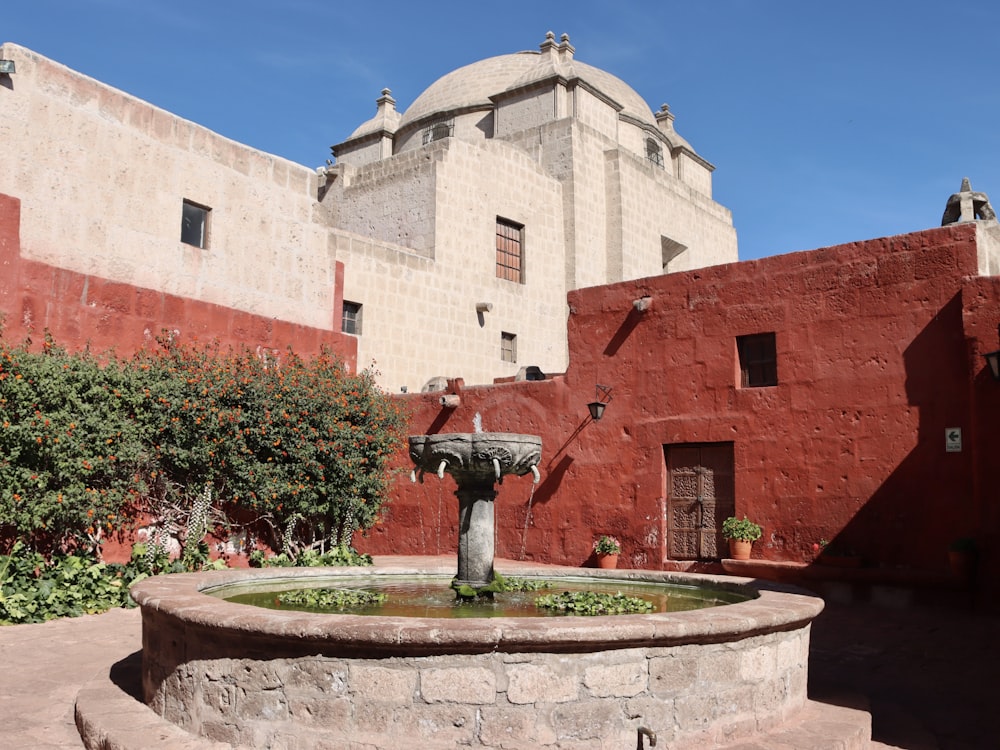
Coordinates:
[654,152]
[439,131]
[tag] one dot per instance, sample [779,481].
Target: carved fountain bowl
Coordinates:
[472,455]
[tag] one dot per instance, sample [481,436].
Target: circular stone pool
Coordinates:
[432,596]
[276,678]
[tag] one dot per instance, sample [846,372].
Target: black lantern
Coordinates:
[993,360]
[596,408]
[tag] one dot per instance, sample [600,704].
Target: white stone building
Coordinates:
[461,222]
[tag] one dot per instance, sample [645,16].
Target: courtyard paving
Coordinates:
[929,675]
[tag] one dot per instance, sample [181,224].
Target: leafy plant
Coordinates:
[341,556]
[194,439]
[743,529]
[331,598]
[516,583]
[607,545]
[593,603]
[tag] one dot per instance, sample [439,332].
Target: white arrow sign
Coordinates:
[953,440]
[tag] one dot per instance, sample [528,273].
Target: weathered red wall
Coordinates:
[879,346]
[81,309]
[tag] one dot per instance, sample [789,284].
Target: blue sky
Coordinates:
[827,122]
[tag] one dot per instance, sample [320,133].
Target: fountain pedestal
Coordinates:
[476,535]
[478,461]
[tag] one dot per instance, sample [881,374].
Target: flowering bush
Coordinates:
[607,545]
[194,437]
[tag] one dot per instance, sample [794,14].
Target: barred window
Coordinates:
[439,131]
[654,152]
[510,251]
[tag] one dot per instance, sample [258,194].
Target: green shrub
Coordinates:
[193,438]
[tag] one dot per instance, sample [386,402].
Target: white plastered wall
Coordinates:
[101,177]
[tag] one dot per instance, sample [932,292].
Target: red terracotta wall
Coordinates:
[878,349]
[82,310]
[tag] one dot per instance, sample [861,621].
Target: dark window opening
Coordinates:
[194,224]
[510,251]
[758,360]
[351,319]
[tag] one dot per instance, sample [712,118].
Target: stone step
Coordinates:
[818,726]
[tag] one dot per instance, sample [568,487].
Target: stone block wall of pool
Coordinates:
[265,678]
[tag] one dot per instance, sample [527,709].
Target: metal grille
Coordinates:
[510,255]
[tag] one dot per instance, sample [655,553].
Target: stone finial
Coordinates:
[565,48]
[965,205]
[386,99]
[665,118]
[549,44]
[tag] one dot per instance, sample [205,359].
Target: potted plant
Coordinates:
[962,557]
[607,549]
[741,533]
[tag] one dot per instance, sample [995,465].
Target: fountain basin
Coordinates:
[266,678]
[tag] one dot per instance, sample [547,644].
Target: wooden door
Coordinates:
[700,496]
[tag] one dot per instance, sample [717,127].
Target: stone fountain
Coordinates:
[478,461]
[228,672]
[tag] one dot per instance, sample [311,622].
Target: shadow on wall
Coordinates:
[928,499]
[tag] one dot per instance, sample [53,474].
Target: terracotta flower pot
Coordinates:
[607,561]
[739,549]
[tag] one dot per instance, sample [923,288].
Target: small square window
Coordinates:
[194,224]
[758,360]
[508,347]
[351,319]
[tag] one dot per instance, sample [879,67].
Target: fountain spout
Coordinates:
[478,461]
[648,733]
[535,474]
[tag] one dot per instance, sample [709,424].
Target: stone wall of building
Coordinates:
[80,309]
[878,355]
[102,177]
[420,316]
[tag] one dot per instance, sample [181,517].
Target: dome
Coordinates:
[472,86]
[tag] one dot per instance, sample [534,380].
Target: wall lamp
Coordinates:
[993,360]
[597,407]
[7,67]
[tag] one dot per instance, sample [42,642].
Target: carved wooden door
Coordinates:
[701,494]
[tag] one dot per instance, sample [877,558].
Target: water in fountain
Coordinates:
[527,521]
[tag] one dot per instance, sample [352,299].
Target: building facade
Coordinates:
[461,223]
